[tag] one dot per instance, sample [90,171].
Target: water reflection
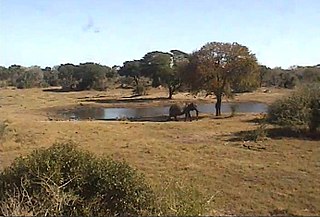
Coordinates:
[159,111]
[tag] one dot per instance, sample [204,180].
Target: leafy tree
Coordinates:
[264,72]
[16,71]
[288,79]
[131,69]
[310,75]
[115,70]
[4,73]
[4,76]
[66,76]
[31,77]
[164,69]
[92,76]
[220,67]
[51,76]
[84,76]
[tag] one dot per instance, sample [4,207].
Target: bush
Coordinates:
[140,89]
[63,180]
[233,108]
[300,109]
[3,127]
[259,134]
[181,199]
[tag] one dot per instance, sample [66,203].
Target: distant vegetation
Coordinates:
[218,68]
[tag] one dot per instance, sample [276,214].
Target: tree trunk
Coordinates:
[170,92]
[218,105]
[136,80]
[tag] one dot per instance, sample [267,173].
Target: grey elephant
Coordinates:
[175,110]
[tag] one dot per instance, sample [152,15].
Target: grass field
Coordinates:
[277,175]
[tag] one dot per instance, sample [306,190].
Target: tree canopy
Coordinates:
[222,67]
[84,76]
[131,69]
[164,68]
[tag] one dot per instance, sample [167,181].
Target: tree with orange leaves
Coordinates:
[220,68]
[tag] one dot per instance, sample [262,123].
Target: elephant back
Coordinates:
[174,110]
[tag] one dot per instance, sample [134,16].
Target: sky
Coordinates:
[281,33]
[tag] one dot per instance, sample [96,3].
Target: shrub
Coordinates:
[181,199]
[63,180]
[233,108]
[140,89]
[300,109]
[3,127]
[259,134]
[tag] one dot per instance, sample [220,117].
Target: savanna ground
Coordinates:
[277,175]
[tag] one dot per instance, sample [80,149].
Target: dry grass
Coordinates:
[280,178]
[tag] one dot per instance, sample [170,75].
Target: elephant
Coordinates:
[175,110]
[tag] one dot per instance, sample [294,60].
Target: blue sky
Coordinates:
[50,32]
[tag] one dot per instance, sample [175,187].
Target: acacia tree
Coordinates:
[84,76]
[131,69]
[220,67]
[164,69]
[31,77]
[92,76]
[66,75]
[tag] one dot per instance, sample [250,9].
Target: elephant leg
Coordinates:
[187,116]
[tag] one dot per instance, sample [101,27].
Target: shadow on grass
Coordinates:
[279,133]
[257,120]
[60,90]
[275,133]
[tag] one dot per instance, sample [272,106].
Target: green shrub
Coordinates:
[140,89]
[300,109]
[63,180]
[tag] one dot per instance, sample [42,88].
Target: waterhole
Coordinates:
[157,112]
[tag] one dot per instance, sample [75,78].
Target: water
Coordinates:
[158,112]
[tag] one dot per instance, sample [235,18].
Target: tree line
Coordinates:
[218,68]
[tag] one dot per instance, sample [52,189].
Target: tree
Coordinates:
[310,75]
[131,69]
[220,67]
[4,76]
[4,73]
[264,72]
[50,76]
[288,79]
[164,69]
[92,76]
[31,77]
[67,76]
[16,71]
[84,76]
